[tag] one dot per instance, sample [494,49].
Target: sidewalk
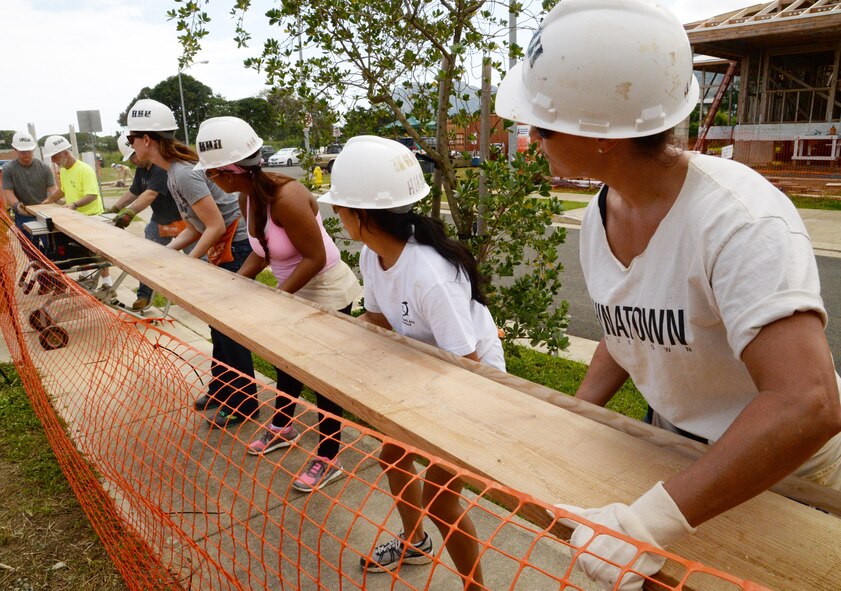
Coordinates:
[824,225]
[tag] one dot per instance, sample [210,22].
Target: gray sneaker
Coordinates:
[388,556]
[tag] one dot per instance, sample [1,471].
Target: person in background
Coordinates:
[702,275]
[26,180]
[149,188]
[426,286]
[215,230]
[79,186]
[123,173]
[287,235]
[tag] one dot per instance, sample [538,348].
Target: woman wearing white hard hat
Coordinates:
[702,274]
[426,286]
[215,229]
[288,236]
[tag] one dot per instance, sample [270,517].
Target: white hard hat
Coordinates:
[225,140]
[55,144]
[23,142]
[375,173]
[605,69]
[151,116]
[124,145]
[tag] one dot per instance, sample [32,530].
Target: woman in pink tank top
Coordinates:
[287,235]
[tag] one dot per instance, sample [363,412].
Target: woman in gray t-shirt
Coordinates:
[215,228]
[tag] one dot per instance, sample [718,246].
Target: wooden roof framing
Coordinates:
[790,22]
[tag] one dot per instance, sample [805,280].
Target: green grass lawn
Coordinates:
[46,540]
[805,202]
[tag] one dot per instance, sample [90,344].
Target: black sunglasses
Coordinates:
[131,137]
[543,133]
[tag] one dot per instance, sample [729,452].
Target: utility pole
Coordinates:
[512,41]
[484,145]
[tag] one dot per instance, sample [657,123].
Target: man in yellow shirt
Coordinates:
[79,188]
[78,185]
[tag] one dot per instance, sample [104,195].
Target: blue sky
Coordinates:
[63,56]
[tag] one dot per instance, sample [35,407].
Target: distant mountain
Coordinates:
[472,104]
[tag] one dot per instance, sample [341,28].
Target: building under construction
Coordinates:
[774,71]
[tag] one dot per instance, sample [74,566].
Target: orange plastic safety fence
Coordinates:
[179,505]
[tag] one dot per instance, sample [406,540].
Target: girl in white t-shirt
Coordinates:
[424,285]
[701,273]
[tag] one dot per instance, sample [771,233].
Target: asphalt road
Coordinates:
[583,322]
[295,172]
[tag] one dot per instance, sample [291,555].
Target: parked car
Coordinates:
[266,152]
[285,157]
[326,158]
[427,164]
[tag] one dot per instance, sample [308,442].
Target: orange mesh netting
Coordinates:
[181,506]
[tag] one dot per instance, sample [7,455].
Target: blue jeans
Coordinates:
[235,392]
[151,232]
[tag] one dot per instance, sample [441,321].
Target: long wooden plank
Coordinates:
[486,426]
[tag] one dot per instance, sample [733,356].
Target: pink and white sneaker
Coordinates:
[319,472]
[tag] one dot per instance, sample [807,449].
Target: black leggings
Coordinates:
[329,429]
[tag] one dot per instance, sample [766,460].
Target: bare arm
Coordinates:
[9,197]
[82,202]
[796,411]
[214,226]
[143,200]
[604,377]
[376,318]
[296,212]
[58,195]
[252,266]
[126,199]
[185,238]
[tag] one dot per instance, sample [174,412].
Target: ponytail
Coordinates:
[431,232]
[264,191]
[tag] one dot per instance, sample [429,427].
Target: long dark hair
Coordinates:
[431,232]
[171,149]
[265,190]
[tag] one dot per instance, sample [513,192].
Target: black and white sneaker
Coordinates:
[388,556]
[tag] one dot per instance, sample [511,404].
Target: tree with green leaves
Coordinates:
[289,110]
[411,60]
[257,111]
[199,100]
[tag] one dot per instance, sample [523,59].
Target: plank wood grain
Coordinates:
[481,424]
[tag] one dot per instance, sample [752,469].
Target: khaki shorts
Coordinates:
[824,468]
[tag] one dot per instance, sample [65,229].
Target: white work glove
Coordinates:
[653,518]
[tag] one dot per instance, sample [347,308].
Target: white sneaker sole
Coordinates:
[272,448]
[376,567]
[303,487]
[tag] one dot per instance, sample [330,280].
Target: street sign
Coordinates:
[337,131]
[89,121]
[307,120]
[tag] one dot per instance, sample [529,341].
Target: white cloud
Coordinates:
[65,56]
